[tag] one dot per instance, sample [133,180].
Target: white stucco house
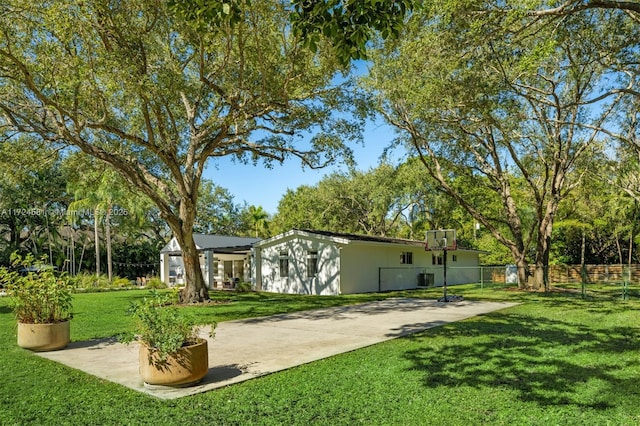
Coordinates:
[331,263]
[223,259]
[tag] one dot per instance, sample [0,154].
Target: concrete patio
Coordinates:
[250,348]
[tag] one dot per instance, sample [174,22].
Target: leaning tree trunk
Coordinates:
[195,289]
[181,225]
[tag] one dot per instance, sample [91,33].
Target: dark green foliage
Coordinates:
[244,287]
[349,25]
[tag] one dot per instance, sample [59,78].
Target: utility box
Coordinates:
[426,280]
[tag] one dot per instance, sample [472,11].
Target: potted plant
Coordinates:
[41,300]
[171,353]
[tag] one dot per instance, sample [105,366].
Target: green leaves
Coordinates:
[211,14]
[38,295]
[348,25]
[161,325]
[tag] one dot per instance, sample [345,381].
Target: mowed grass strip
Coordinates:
[553,359]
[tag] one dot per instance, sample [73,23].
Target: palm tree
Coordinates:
[258,220]
[98,190]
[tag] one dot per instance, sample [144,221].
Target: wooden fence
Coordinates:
[559,274]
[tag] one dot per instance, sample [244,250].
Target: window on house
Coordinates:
[406,258]
[436,260]
[312,263]
[284,264]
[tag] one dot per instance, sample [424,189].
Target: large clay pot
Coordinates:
[44,337]
[187,367]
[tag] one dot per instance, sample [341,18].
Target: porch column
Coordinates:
[257,268]
[164,268]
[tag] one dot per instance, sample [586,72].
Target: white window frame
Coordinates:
[283,263]
[312,263]
[406,258]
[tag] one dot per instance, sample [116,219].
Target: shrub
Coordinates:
[90,282]
[244,287]
[38,294]
[155,283]
[120,282]
[161,326]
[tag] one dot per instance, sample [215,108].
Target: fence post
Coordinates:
[481,278]
[625,290]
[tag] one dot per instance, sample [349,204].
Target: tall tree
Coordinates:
[258,221]
[217,212]
[32,198]
[98,192]
[155,97]
[521,113]
[385,200]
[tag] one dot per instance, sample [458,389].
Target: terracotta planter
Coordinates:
[187,367]
[44,337]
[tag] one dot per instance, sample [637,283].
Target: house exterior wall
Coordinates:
[378,267]
[464,270]
[326,281]
[354,266]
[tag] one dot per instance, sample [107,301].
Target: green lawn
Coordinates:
[553,359]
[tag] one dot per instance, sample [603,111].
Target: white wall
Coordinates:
[361,263]
[327,281]
[353,267]
[464,270]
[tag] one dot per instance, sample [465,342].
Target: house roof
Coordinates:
[342,237]
[216,243]
[346,238]
[359,237]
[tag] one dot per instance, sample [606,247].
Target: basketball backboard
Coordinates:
[441,239]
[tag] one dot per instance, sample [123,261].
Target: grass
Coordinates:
[553,359]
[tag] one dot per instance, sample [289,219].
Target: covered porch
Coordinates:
[225,261]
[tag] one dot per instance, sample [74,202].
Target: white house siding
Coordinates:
[464,270]
[353,265]
[327,281]
[364,266]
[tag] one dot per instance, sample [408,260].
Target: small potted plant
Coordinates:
[171,353]
[41,301]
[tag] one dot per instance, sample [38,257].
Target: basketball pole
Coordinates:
[444,274]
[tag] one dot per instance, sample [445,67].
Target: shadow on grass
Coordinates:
[368,309]
[544,360]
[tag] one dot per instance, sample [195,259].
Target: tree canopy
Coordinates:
[137,87]
[482,99]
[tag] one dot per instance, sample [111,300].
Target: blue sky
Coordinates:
[265,187]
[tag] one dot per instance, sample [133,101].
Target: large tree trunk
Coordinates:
[523,273]
[195,289]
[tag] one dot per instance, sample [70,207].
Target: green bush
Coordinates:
[161,326]
[244,287]
[39,295]
[155,283]
[120,282]
[90,282]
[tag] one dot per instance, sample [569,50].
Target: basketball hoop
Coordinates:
[442,240]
